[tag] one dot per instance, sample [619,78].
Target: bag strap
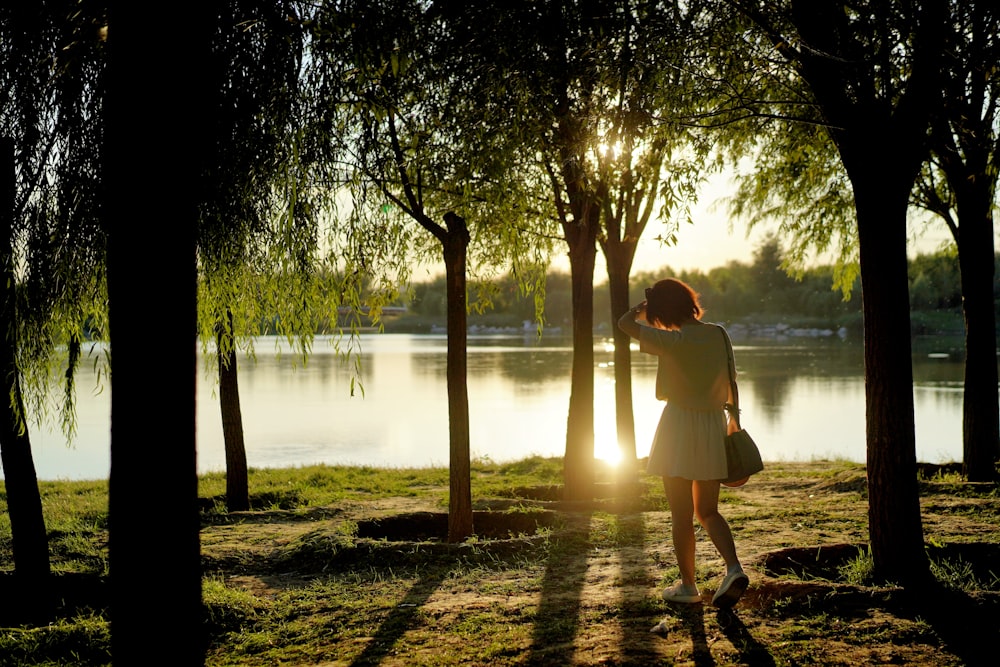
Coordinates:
[732,408]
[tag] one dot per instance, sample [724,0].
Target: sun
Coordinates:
[610,150]
[608,452]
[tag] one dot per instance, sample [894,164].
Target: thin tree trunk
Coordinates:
[24,503]
[976,259]
[624,224]
[578,463]
[237,484]
[618,257]
[456,243]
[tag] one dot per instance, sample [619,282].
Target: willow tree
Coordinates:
[874,73]
[21,45]
[258,228]
[647,162]
[555,55]
[595,87]
[405,86]
[797,180]
[965,145]
[52,246]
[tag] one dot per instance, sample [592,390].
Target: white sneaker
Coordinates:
[732,588]
[681,593]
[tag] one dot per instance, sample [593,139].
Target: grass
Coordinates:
[306,577]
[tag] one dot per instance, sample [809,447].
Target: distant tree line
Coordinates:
[756,292]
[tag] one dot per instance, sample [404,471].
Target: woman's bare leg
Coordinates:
[706,507]
[679,496]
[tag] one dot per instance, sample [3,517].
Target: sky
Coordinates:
[715,239]
[707,243]
[704,245]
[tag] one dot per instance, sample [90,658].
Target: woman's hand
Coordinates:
[628,323]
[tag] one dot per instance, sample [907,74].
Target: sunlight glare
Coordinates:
[608,452]
[614,149]
[606,447]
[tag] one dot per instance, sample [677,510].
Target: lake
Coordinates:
[802,399]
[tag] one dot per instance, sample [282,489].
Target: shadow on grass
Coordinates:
[640,649]
[62,595]
[502,536]
[560,614]
[403,617]
[692,618]
[557,620]
[751,650]
[965,623]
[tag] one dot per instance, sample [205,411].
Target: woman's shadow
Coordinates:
[751,650]
[692,619]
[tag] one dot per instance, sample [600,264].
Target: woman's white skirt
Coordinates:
[689,444]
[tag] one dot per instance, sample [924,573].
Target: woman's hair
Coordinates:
[670,301]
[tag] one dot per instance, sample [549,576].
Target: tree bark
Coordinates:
[980,409]
[882,139]
[156,137]
[24,503]
[237,484]
[894,522]
[455,246]
[618,256]
[965,148]
[578,463]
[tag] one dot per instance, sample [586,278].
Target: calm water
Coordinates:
[802,399]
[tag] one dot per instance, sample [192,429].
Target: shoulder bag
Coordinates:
[742,454]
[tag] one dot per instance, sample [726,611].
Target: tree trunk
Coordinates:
[578,463]
[882,140]
[976,259]
[24,503]
[894,521]
[157,121]
[237,485]
[618,256]
[456,243]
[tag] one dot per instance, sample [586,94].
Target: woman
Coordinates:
[693,371]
